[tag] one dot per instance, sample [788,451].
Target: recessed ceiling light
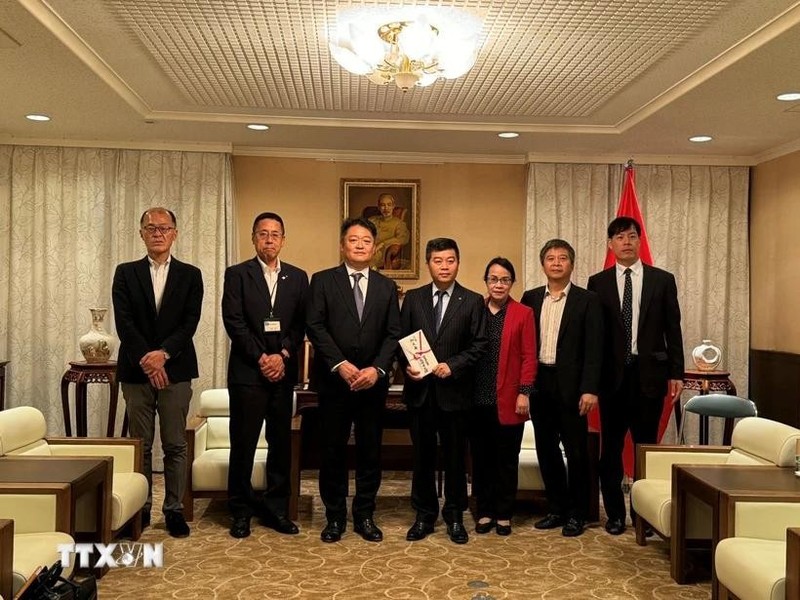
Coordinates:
[37,117]
[258,126]
[508,134]
[700,138]
[789,96]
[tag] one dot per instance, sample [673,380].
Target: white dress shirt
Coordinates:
[158,275]
[637,274]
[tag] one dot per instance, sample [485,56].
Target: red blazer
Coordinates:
[517,363]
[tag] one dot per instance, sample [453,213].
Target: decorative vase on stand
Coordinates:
[97,344]
[706,356]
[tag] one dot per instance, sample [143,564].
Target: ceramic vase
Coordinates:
[706,356]
[97,344]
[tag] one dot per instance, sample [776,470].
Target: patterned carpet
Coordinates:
[527,565]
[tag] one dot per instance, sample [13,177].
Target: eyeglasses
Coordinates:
[500,280]
[268,235]
[163,230]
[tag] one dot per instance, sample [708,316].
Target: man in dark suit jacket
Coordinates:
[569,344]
[453,321]
[353,322]
[643,356]
[157,303]
[263,308]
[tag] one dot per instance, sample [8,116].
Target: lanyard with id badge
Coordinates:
[272,324]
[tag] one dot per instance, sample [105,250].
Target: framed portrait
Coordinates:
[393,206]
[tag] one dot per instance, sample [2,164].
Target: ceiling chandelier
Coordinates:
[410,46]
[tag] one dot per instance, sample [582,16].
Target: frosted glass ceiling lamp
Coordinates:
[410,46]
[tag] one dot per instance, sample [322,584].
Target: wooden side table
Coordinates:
[3,364]
[705,382]
[82,374]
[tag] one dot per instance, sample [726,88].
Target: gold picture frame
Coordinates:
[396,222]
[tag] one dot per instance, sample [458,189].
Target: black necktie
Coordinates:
[358,294]
[437,308]
[627,315]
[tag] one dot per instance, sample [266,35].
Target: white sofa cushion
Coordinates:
[215,403]
[768,440]
[33,550]
[752,569]
[21,427]
[529,473]
[210,470]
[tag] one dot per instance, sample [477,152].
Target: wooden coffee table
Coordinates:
[713,485]
[81,475]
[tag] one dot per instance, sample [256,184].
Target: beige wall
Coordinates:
[481,206]
[775,255]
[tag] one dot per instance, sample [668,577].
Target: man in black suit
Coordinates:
[569,345]
[643,356]
[453,321]
[157,303]
[263,308]
[353,322]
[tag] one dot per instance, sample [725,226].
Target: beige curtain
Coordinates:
[696,223]
[68,216]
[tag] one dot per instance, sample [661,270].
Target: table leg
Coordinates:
[65,405]
[80,409]
[678,538]
[103,518]
[112,408]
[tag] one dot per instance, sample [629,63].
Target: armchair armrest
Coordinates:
[37,507]
[6,557]
[126,452]
[196,435]
[654,461]
[793,562]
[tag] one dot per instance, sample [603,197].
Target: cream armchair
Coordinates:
[40,514]
[530,484]
[761,559]
[22,433]
[755,441]
[209,449]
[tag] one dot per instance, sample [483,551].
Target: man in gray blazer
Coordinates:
[157,302]
[453,321]
[353,321]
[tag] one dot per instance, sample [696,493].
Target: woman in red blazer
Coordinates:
[504,379]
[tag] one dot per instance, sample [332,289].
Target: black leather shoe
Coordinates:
[503,529]
[484,527]
[419,530]
[367,529]
[458,533]
[333,532]
[176,524]
[280,524]
[145,518]
[240,527]
[615,526]
[573,527]
[551,521]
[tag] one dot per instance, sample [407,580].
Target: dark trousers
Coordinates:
[251,406]
[142,402]
[339,413]
[627,409]
[425,422]
[495,463]
[557,420]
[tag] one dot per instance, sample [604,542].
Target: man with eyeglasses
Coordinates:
[263,308]
[569,342]
[157,302]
